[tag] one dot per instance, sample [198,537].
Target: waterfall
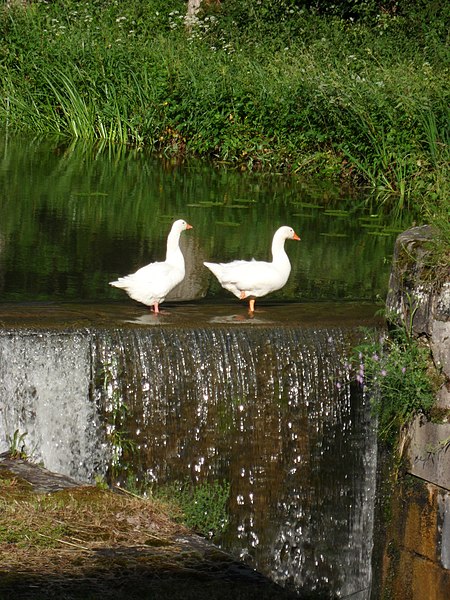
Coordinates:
[257,406]
[45,380]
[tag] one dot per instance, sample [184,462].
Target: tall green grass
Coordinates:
[250,84]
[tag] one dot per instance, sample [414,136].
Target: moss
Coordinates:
[87,542]
[413,486]
[419,263]
[393,552]
[439,415]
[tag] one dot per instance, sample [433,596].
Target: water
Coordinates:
[254,403]
[96,383]
[44,387]
[258,408]
[72,219]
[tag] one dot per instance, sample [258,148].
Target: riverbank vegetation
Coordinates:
[397,372]
[357,92]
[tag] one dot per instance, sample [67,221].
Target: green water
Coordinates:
[73,217]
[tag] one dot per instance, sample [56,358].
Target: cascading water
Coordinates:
[45,379]
[257,406]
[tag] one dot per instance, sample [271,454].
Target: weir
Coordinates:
[267,407]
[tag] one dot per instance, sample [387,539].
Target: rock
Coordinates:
[420,301]
[41,480]
[428,452]
[415,297]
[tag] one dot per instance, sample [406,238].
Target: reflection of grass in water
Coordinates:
[90,194]
[335,235]
[307,205]
[84,238]
[227,223]
[336,213]
[380,233]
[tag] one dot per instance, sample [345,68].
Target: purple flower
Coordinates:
[338,385]
[375,357]
[403,370]
[383,373]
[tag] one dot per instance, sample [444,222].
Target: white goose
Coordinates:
[151,284]
[253,279]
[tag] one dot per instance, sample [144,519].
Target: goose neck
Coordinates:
[173,253]
[278,251]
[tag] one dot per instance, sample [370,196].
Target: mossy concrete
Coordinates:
[416,554]
[419,300]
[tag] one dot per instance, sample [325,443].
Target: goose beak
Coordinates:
[189,226]
[295,237]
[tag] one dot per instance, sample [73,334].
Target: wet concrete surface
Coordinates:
[192,315]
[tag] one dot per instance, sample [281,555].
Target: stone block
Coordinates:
[429,452]
[440,345]
[421,528]
[444,529]
[429,581]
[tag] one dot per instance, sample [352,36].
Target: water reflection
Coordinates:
[259,408]
[254,405]
[241,318]
[201,390]
[79,218]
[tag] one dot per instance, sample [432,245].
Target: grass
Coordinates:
[438,257]
[85,515]
[70,527]
[364,100]
[88,543]
[202,506]
[397,373]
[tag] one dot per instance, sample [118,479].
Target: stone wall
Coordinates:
[421,300]
[416,562]
[416,559]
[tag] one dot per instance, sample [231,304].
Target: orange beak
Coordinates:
[189,226]
[296,237]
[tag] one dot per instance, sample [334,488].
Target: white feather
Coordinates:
[151,284]
[253,279]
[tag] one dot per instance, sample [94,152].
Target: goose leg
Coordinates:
[251,305]
[156,307]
